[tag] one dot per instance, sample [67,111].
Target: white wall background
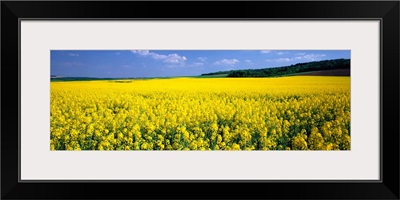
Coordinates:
[39,37]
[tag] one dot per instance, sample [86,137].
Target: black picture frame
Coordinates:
[386,11]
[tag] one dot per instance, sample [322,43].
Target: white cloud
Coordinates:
[310,57]
[202,58]
[170,58]
[249,62]
[70,64]
[280,60]
[141,52]
[281,52]
[198,64]
[73,54]
[158,56]
[265,51]
[174,58]
[226,62]
[300,54]
[305,57]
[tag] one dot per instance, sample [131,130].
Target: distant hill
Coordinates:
[289,70]
[60,78]
[329,72]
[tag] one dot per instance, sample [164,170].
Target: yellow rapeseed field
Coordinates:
[288,113]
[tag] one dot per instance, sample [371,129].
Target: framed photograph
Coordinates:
[189,98]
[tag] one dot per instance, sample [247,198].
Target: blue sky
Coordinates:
[162,63]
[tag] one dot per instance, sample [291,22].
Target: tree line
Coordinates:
[287,70]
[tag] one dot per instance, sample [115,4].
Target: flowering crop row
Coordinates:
[290,113]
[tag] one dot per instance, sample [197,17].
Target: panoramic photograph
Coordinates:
[200,100]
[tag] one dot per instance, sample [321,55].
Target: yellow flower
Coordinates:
[296,113]
[235,147]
